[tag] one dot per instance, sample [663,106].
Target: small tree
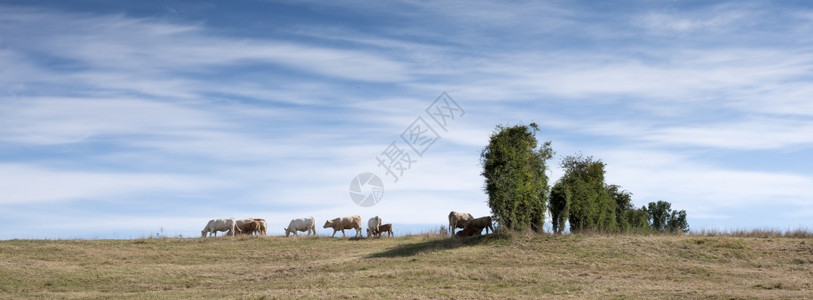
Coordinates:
[559,207]
[658,214]
[514,167]
[677,222]
[638,219]
[623,204]
[591,207]
[663,219]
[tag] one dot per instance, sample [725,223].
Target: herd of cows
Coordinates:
[253,226]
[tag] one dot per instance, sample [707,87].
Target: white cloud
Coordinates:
[690,184]
[145,55]
[717,19]
[43,121]
[755,134]
[24,184]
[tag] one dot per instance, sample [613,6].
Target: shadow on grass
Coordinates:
[438,244]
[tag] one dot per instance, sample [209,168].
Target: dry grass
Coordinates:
[759,233]
[496,266]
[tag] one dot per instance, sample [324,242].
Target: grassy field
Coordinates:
[423,266]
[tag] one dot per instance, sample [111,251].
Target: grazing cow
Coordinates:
[240,224]
[215,225]
[303,224]
[372,226]
[385,228]
[482,222]
[249,228]
[458,220]
[263,230]
[352,222]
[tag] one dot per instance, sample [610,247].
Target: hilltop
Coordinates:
[422,266]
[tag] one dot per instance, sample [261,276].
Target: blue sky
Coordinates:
[121,119]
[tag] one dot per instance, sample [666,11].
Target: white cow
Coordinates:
[372,226]
[215,225]
[458,220]
[302,224]
[351,222]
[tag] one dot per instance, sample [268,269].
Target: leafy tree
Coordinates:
[559,206]
[663,219]
[514,166]
[623,204]
[658,214]
[591,206]
[638,219]
[677,222]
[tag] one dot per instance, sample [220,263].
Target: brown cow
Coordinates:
[470,230]
[263,226]
[482,222]
[249,228]
[384,228]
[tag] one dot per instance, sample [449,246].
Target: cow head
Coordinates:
[203,233]
[328,224]
[287,232]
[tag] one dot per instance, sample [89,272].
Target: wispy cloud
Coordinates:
[147,56]
[24,184]
[719,19]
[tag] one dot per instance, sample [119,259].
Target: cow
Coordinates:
[470,230]
[248,228]
[372,226]
[482,222]
[263,230]
[458,220]
[302,224]
[215,225]
[352,222]
[241,225]
[385,228]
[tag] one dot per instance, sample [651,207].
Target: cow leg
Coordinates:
[344,236]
